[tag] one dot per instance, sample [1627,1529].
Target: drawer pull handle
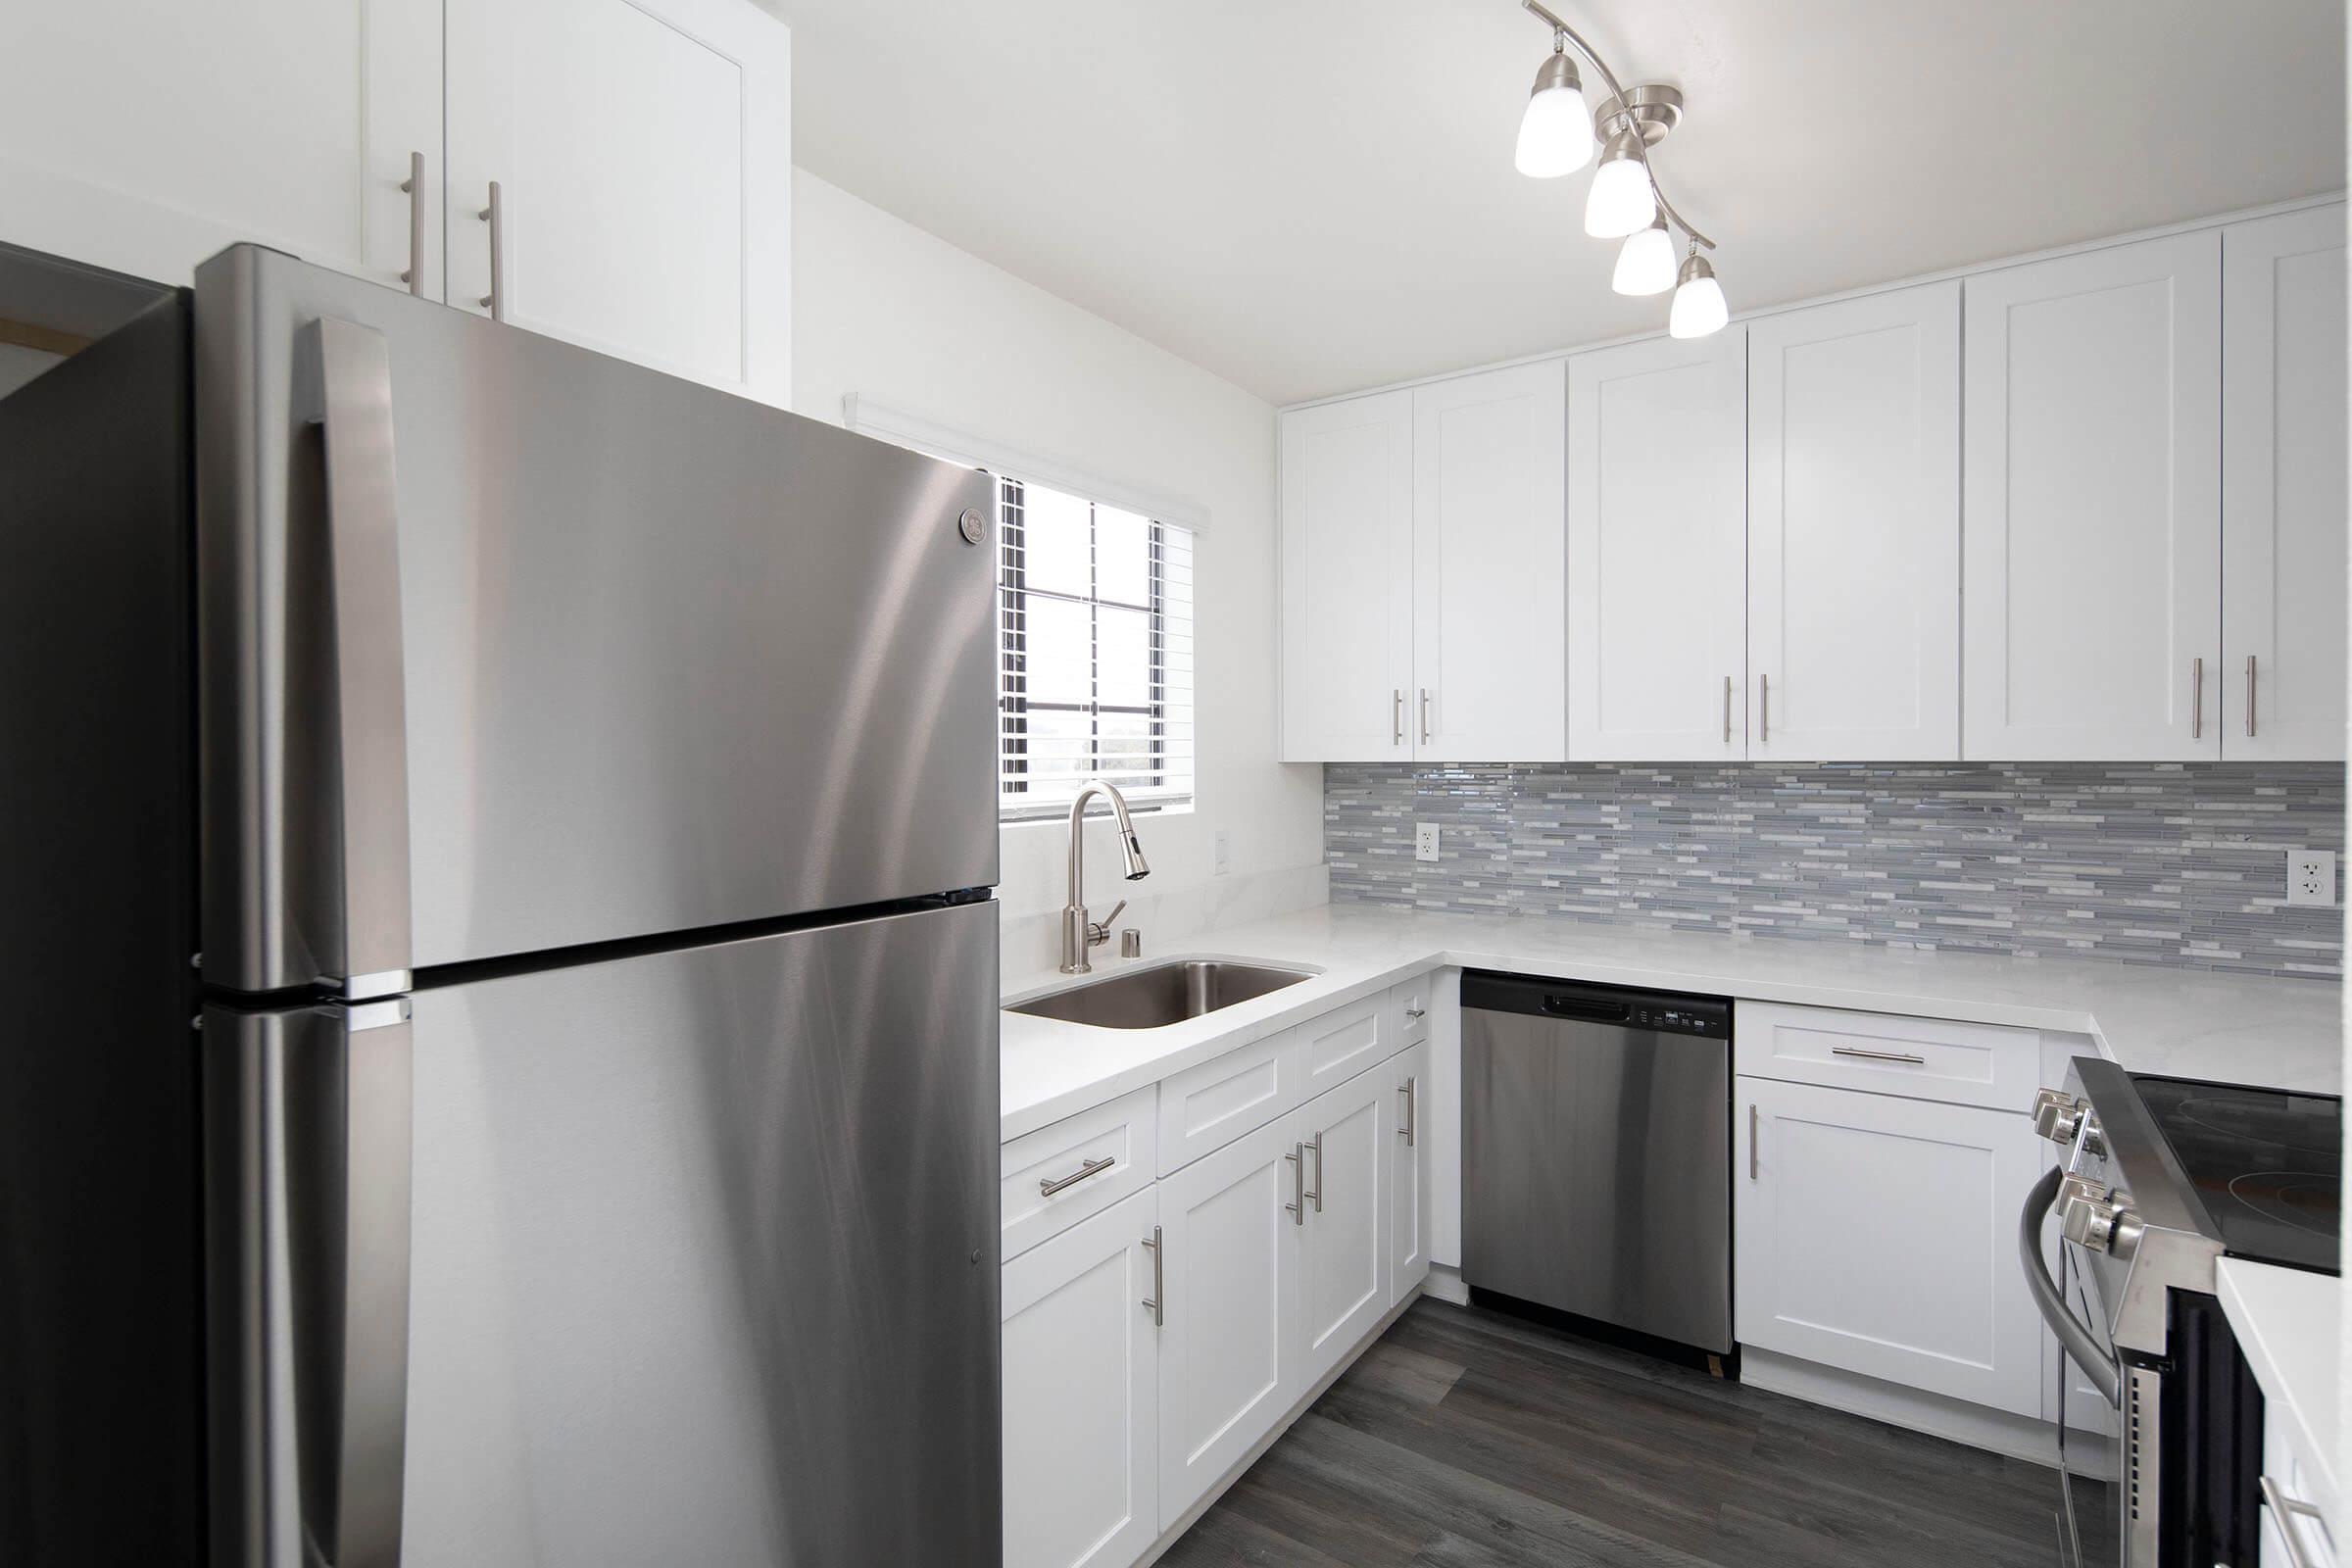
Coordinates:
[1412,1014]
[1904,1057]
[1046,1186]
[1314,1196]
[1411,1089]
[1298,1207]
[1158,1301]
[2286,1508]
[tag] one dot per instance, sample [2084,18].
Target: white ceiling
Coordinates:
[1310,197]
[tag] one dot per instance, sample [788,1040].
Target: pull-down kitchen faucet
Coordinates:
[1078,933]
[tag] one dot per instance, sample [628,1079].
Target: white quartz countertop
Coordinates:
[2286,1322]
[2188,1023]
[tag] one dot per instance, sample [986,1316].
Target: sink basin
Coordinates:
[1163,994]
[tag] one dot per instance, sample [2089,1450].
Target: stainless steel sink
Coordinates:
[1163,994]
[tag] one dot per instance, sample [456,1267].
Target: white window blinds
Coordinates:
[1095,631]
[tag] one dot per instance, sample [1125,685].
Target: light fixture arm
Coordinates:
[1560,29]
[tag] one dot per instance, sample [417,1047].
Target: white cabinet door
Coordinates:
[2091,551]
[1853,530]
[2282,680]
[1081,1376]
[1879,1236]
[643,154]
[1343,1259]
[1229,1237]
[1657,561]
[146,136]
[1346,580]
[1489,555]
[1410,1173]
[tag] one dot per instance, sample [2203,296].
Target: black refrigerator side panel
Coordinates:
[101,1305]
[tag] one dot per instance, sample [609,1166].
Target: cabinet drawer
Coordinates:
[1209,1105]
[1345,1041]
[1409,1004]
[2296,1475]
[1924,1058]
[1122,1132]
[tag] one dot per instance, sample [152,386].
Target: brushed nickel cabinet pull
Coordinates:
[1726,709]
[1297,1205]
[1397,716]
[1047,1187]
[1316,1197]
[1158,1301]
[2249,697]
[2196,699]
[1764,710]
[1411,1089]
[1424,715]
[1904,1056]
[415,186]
[1753,1119]
[494,215]
[2284,1509]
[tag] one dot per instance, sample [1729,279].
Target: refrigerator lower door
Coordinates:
[704,1259]
[685,1257]
[506,647]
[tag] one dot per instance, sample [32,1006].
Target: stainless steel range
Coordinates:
[2162,1177]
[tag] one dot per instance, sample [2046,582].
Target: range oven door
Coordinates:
[2095,1470]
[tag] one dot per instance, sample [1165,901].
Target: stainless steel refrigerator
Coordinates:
[499,852]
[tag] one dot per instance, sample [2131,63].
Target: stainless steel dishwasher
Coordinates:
[1596,1153]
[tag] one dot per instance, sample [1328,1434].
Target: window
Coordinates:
[1095,627]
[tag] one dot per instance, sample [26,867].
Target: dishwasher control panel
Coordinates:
[1580,1002]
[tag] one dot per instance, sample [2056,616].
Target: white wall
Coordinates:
[886,311]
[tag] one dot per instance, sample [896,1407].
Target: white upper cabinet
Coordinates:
[643,155]
[1489,555]
[2092,524]
[1853,530]
[1346,580]
[1656,551]
[145,137]
[2281,684]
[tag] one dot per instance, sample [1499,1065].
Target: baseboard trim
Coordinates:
[1257,1450]
[1938,1415]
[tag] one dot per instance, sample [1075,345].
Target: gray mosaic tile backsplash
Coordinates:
[2181,864]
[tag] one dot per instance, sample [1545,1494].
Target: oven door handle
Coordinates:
[2098,1364]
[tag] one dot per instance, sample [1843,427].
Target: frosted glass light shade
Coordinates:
[1555,135]
[1620,202]
[1647,264]
[1699,307]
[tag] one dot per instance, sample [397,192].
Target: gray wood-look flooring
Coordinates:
[1465,1439]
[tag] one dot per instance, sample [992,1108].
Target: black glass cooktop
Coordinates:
[2267,1166]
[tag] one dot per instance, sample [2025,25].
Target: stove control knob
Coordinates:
[2057,1115]
[2089,1214]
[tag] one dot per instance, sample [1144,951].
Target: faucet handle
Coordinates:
[1097,932]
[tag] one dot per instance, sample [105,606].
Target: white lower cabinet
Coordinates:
[1409,1174]
[1344,1137]
[1878,1235]
[1081,1377]
[1230,1252]
[2297,1532]
[1152,1338]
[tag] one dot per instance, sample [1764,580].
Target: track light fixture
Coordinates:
[1625,201]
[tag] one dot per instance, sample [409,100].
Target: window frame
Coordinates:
[1015,594]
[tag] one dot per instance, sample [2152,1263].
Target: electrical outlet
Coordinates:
[2310,876]
[1425,841]
[1224,853]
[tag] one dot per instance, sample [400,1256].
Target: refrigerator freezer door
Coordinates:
[307,1196]
[668,658]
[704,1258]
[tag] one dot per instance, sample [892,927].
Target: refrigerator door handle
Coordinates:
[308,1115]
[353,413]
